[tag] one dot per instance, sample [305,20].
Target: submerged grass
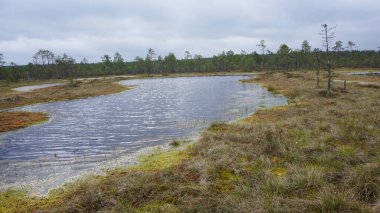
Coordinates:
[319,154]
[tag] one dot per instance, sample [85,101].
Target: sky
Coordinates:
[91,28]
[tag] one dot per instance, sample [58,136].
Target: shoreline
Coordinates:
[319,153]
[120,161]
[42,187]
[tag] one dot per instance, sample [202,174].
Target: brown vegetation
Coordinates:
[16,120]
[319,154]
[58,93]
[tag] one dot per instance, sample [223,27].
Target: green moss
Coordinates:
[224,179]
[279,172]
[14,201]
[162,160]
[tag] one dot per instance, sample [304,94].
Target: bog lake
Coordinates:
[85,136]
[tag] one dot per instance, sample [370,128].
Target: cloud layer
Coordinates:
[92,28]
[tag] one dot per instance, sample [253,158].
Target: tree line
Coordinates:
[47,65]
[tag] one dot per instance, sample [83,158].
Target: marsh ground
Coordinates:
[320,153]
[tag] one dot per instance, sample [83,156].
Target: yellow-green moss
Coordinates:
[161,160]
[279,172]
[225,179]
[14,201]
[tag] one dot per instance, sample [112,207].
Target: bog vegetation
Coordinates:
[320,153]
[47,65]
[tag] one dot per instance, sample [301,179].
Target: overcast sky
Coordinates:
[92,28]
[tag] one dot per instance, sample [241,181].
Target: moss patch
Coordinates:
[161,160]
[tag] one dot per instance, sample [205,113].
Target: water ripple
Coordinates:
[105,126]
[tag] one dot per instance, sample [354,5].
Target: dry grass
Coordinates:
[16,120]
[59,93]
[319,154]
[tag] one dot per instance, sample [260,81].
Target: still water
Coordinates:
[81,133]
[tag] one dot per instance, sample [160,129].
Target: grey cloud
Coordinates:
[91,28]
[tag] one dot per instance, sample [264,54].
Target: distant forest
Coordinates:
[46,65]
